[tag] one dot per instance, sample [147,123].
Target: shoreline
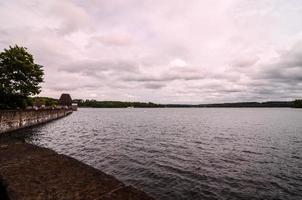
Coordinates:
[28,171]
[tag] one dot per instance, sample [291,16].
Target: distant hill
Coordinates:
[268,104]
[121,104]
[114,104]
[297,103]
[124,104]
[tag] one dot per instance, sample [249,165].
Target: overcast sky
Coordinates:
[164,51]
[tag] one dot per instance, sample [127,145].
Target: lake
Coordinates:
[186,153]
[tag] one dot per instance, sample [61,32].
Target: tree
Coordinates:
[19,77]
[297,103]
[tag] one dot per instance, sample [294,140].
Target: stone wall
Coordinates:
[11,120]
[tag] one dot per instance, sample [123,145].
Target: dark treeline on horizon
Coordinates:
[121,104]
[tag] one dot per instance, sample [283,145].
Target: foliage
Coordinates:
[268,104]
[297,103]
[19,77]
[47,101]
[120,104]
[113,104]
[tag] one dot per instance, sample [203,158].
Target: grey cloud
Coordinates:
[73,87]
[287,69]
[105,49]
[172,74]
[153,85]
[289,75]
[292,57]
[112,40]
[279,78]
[72,16]
[244,62]
[214,88]
[92,67]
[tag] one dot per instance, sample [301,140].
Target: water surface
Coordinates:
[186,153]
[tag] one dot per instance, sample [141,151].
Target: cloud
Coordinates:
[153,85]
[171,74]
[162,51]
[287,68]
[90,66]
[112,40]
[244,62]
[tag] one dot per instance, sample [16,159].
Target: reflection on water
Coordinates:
[207,153]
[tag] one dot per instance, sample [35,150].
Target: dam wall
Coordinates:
[11,120]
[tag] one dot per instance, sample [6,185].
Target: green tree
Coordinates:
[19,77]
[297,103]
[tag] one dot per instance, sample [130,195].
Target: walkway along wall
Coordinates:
[11,120]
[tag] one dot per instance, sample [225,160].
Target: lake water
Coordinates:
[186,153]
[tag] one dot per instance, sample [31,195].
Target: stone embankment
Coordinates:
[31,172]
[11,120]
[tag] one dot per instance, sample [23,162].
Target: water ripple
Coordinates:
[186,153]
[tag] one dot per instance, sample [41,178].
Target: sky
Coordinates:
[171,51]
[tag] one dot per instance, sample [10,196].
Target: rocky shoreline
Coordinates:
[31,172]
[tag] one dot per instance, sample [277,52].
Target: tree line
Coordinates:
[113,104]
[120,104]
